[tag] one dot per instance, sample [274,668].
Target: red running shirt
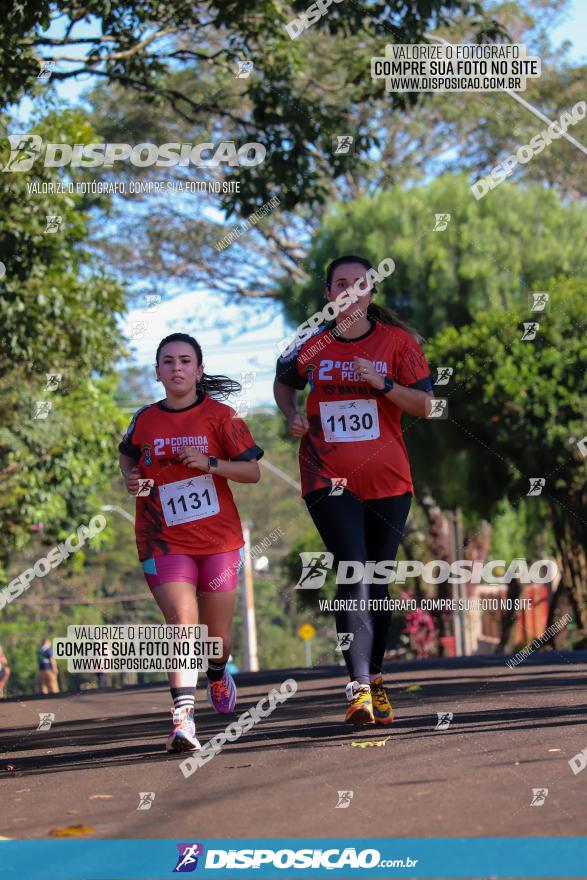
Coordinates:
[186,511]
[355,432]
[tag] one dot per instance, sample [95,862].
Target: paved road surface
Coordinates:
[513,730]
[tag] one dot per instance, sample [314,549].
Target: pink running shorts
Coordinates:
[214,573]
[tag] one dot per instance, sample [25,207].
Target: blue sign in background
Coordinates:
[453,858]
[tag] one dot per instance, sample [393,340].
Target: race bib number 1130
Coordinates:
[350,420]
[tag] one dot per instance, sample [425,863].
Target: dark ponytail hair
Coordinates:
[380,314]
[219,387]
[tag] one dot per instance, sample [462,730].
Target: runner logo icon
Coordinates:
[315,567]
[441,222]
[146,799]
[444,374]
[538,301]
[343,641]
[537,484]
[46,71]
[344,799]
[53,380]
[578,762]
[343,144]
[188,857]
[539,795]
[338,485]
[444,719]
[46,719]
[437,408]
[24,149]
[530,330]
[54,222]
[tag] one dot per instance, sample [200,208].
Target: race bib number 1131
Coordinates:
[188,500]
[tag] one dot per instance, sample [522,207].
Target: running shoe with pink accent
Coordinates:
[222,694]
[183,736]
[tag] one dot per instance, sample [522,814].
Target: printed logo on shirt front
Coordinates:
[342,371]
[146,450]
[310,376]
[161,444]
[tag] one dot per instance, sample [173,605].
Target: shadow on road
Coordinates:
[123,741]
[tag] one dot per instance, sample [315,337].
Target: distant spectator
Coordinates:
[47,669]
[4,671]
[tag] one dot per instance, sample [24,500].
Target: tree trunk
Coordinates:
[570,532]
[507,642]
[440,539]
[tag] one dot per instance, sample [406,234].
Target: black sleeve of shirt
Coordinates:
[253,452]
[129,449]
[422,384]
[126,446]
[286,372]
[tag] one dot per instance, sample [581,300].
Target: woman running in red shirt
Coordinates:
[188,529]
[364,370]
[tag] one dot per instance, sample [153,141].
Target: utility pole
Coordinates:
[455,546]
[462,618]
[250,659]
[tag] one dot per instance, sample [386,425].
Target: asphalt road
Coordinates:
[513,730]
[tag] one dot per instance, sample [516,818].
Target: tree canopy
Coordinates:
[516,412]
[58,312]
[490,255]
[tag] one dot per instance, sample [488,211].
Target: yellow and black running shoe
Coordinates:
[382,708]
[360,711]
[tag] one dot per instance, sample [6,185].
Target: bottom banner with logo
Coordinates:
[477,857]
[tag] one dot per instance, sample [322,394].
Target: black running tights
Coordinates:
[362,531]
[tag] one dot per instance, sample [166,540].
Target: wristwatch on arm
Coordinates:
[387,385]
[212,463]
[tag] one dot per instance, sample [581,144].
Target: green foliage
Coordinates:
[21,638]
[521,531]
[516,412]
[58,315]
[107,578]
[492,253]
[163,53]
[279,645]
[272,503]
[520,402]
[102,583]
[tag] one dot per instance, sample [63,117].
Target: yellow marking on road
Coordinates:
[370,742]
[71,831]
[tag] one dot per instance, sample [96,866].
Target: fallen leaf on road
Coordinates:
[10,767]
[20,790]
[95,797]
[372,742]
[413,687]
[71,831]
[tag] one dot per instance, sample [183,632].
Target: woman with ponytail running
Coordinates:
[364,369]
[188,529]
